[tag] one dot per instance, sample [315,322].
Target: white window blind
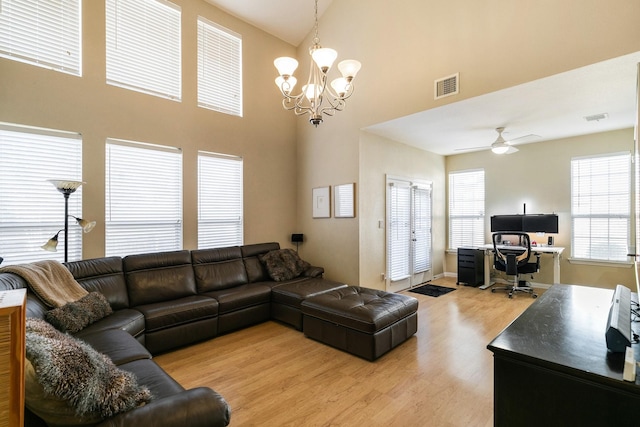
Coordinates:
[600,207]
[42,32]
[421,229]
[143,198]
[220,201]
[466,208]
[399,227]
[31,209]
[144,46]
[219,68]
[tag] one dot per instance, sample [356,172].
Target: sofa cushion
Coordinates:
[240,297]
[129,320]
[158,277]
[68,370]
[75,316]
[255,270]
[118,345]
[104,275]
[293,293]
[180,311]
[283,264]
[218,268]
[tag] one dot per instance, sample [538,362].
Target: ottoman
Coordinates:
[286,298]
[361,321]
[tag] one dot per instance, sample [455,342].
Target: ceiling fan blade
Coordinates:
[530,136]
[511,150]
[484,147]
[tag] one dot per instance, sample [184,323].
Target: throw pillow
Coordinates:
[73,377]
[75,316]
[283,264]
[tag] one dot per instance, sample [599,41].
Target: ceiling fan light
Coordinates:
[499,148]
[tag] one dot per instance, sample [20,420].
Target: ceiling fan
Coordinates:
[500,145]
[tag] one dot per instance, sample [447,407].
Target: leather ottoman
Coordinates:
[361,321]
[286,298]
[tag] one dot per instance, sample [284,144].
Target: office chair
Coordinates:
[512,253]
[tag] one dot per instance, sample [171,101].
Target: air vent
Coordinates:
[447,86]
[596,117]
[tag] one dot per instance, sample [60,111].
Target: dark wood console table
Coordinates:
[552,367]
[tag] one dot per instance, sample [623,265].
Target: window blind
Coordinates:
[421,229]
[220,201]
[466,208]
[600,207]
[143,189]
[42,33]
[144,46]
[219,68]
[31,209]
[399,230]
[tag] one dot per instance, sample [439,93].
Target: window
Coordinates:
[600,207]
[31,209]
[42,33]
[466,208]
[143,46]
[219,68]
[220,209]
[143,198]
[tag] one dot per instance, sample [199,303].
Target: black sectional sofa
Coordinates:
[162,301]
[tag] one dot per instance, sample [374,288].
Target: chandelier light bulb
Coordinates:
[285,65]
[349,68]
[340,86]
[324,58]
[286,85]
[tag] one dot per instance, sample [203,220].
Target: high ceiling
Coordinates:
[289,20]
[550,108]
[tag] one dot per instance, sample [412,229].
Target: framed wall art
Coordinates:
[344,201]
[321,202]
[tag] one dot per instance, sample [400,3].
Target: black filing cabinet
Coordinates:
[470,266]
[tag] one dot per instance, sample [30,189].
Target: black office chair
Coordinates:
[512,253]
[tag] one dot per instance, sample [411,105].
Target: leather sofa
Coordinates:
[162,301]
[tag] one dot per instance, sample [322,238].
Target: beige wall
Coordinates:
[540,176]
[264,137]
[404,46]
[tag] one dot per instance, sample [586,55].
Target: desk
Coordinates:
[556,251]
[552,367]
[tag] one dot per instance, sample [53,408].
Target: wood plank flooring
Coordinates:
[272,375]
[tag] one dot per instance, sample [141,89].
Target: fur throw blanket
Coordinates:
[72,370]
[50,281]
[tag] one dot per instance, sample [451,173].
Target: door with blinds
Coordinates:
[408,234]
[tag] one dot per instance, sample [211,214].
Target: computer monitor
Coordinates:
[540,223]
[506,223]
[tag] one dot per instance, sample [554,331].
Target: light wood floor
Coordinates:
[272,375]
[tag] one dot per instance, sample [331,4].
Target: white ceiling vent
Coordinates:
[597,117]
[447,86]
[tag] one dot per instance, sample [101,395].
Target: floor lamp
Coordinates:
[67,188]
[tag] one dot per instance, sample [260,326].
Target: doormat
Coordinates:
[432,290]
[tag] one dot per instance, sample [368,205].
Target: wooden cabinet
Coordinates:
[470,266]
[12,354]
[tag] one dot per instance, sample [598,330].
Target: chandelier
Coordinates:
[316,97]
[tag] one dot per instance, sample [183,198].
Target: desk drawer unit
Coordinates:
[470,266]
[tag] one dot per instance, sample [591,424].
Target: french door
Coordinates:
[408,233]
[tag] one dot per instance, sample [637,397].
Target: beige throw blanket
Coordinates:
[50,281]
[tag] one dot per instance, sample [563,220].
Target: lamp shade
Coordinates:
[324,58]
[286,85]
[86,225]
[285,65]
[349,68]
[340,86]
[310,91]
[51,245]
[499,148]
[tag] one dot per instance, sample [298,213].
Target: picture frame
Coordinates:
[321,202]
[344,201]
